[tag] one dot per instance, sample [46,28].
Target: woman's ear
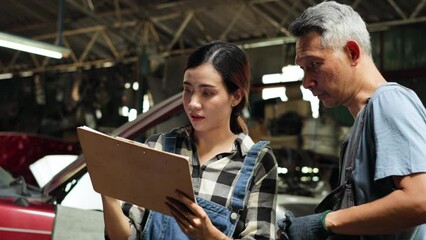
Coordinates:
[354,51]
[236,97]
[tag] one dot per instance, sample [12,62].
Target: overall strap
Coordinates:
[169,143]
[244,180]
[350,164]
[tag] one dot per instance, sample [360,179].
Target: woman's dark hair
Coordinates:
[232,64]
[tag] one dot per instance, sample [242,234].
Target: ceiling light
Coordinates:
[267,42]
[32,46]
[6,76]
[26,73]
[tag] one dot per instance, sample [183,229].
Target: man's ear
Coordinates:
[354,51]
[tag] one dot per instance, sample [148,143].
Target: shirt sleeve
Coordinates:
[261,214]
[135,215]
[400,133]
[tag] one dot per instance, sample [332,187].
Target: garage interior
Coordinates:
[126,56]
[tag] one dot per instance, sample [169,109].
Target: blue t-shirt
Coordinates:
[393,143]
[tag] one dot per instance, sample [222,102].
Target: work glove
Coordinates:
[302,228]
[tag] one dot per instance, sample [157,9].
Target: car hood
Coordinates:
[65,180]
[19,150]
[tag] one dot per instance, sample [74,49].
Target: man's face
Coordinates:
[327,73]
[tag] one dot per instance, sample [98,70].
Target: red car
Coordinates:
[28,212]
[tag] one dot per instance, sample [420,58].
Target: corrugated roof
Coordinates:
[118,30]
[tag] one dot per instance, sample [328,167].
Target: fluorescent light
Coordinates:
[32,46]
[107,64]
[26,74]
[267,42]
[6,76]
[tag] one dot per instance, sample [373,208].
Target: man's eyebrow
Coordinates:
[308,58]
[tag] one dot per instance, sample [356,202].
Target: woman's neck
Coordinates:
[211,143]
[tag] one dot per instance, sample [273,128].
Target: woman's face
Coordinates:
[207,103]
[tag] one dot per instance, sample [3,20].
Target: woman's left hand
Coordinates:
[192,218]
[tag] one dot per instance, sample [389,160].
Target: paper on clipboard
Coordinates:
[132,171]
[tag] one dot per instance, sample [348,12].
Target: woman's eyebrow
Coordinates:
[207,86]
[203,85]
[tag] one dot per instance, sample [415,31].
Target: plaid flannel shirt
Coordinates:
[214,182]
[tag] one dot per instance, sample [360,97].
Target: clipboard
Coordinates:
[132,171]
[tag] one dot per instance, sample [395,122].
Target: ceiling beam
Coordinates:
[355,4]
[164,39]
[72,54]
[270,20]
[397,9]
[35,60]
[157,23]
[291,10]
[117,10]
[95,17]
[89,46]
[201,27]
[385,25]
[13,60]
[418,8]
[232,23]
[23,6]
[110,44]
[154,32]
[71,67]
[181,28]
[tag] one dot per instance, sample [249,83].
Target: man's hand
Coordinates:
[302,228]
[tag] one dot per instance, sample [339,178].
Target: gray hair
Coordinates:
[337,23]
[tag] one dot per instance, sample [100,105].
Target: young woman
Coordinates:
[234,179]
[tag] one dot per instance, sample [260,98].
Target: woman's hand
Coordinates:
[192,219]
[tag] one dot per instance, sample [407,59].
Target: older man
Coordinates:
[383,162]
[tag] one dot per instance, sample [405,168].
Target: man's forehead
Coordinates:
[305,50]
[308,41]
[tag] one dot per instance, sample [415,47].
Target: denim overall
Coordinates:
[159,226]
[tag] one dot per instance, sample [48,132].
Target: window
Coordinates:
[290,73]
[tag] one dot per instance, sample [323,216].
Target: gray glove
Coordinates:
[302,228]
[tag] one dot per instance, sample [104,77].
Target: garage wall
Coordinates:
[46,103]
